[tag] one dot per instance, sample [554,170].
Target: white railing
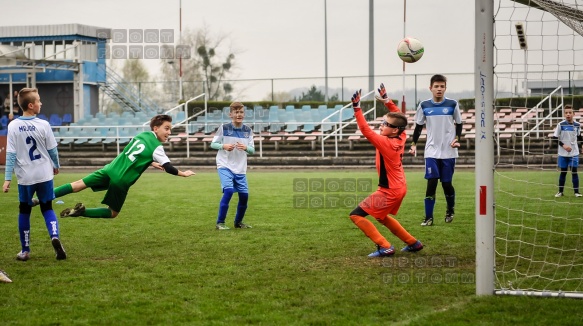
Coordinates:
[538,118]
[339,127]
[184,122]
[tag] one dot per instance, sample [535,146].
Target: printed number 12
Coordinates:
[139,148]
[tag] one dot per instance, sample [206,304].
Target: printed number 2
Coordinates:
[30,140]
[139,148]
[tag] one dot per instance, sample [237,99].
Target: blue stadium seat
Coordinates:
[109,137]
[210,121]
[98,135]
[261,119]
[274,121]
[180,116]
[68,135]
[304,118]
[347,114]
[142,116]
[83,135]
[249,115]
[42,116]
[4,121]
[291,122]
[114,115]
[108,122]
[194,127]
[55,120]
[67,119]
[125,135]
[57,135]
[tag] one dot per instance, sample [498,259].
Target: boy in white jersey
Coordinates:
[32,154]
[568,132]
[117,177]
[444,127]
[234,141]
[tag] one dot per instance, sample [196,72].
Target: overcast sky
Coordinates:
[285,39]
[278,38]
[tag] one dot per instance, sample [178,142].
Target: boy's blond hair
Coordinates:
[236,105]
[25,97]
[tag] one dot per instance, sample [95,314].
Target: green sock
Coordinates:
[63,190]
[101,212]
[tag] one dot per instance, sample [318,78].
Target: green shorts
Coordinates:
[115,194]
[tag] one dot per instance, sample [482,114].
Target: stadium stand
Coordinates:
[282,134]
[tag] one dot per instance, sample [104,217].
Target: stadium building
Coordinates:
[67,63]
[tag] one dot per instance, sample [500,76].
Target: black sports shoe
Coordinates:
[449,215]
[414,247]
[242,226]
[59,250]
[76,211]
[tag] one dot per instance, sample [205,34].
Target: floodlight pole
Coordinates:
[370,45]
[325,53]
[180,97]
[403,103]
[521,33]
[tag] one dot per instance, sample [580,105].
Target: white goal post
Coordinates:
[484,100]
[528,67]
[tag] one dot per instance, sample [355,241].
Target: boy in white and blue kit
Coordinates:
[234,141]
[443,120]
[32,154]
[568,132]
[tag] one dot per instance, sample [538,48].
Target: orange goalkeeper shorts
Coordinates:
[383,202]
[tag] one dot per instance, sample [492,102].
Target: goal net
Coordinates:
[538,70]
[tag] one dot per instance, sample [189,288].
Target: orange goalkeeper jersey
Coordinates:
[389,154]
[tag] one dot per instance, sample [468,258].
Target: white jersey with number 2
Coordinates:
[31,138]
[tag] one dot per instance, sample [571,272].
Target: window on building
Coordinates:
[59,47]
[89,51]
[49,50]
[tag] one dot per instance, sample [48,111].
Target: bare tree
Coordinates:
[135,71]
[214,67]
[206,71]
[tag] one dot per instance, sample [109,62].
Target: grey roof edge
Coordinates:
[53,30]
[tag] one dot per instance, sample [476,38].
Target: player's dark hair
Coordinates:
[236,105]
[437,78]
[25,97]
[158,120]
[568,107]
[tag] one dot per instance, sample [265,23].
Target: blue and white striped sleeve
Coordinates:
[10,160]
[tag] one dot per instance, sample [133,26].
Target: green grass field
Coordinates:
[161,262]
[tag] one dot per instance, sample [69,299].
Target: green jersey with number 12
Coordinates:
[136,157]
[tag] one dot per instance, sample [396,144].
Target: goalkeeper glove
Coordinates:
[356,100]
[382,96]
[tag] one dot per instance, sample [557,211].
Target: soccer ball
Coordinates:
[410,50]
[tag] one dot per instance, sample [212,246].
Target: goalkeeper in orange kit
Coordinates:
[392,187]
